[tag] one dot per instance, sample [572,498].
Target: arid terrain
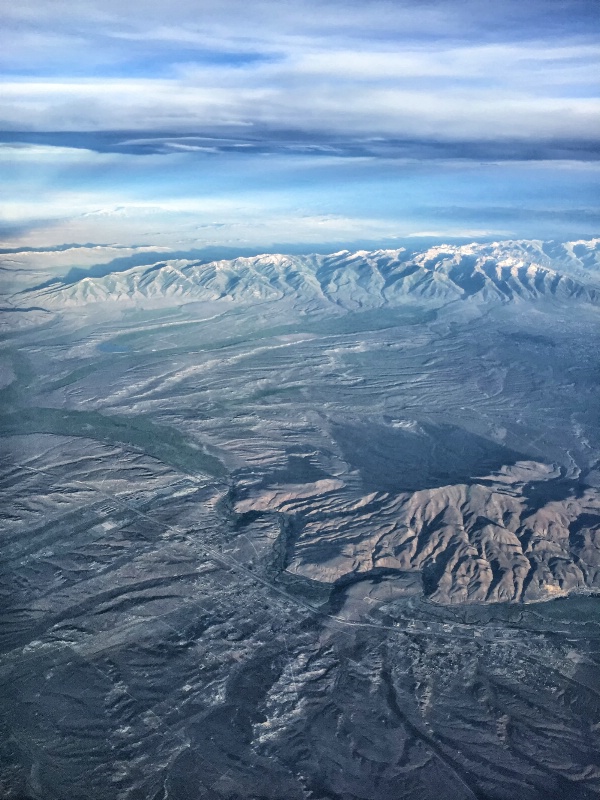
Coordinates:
[313,527]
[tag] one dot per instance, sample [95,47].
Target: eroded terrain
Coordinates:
[291,547]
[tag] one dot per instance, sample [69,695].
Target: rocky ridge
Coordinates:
[491,540]
[501,271]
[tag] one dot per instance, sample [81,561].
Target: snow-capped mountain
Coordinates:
[500,271]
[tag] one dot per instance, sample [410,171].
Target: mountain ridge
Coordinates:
[513,270]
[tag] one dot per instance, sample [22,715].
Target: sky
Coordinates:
[308,125]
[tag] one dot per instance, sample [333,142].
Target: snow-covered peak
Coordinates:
[523,269]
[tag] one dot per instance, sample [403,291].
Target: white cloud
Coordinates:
[406,69]
[343,92]
[324,78]
[198,224]
[458,233]
[304,101]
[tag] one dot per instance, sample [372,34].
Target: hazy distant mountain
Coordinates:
[501,271]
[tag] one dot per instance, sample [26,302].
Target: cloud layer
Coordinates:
[224,122]
[185,198]
[432,71]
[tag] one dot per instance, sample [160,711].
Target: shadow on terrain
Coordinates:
[404,460]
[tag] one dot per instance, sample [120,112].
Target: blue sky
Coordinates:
[308,123]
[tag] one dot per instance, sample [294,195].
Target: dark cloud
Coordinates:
[300,143]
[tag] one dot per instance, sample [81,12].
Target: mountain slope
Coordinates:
[511,536]
[505,271]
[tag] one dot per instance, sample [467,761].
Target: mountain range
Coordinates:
[500,271]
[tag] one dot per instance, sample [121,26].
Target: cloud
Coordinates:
[435,17]
[310,97]
[188,199]
[232,123]
[436,71]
